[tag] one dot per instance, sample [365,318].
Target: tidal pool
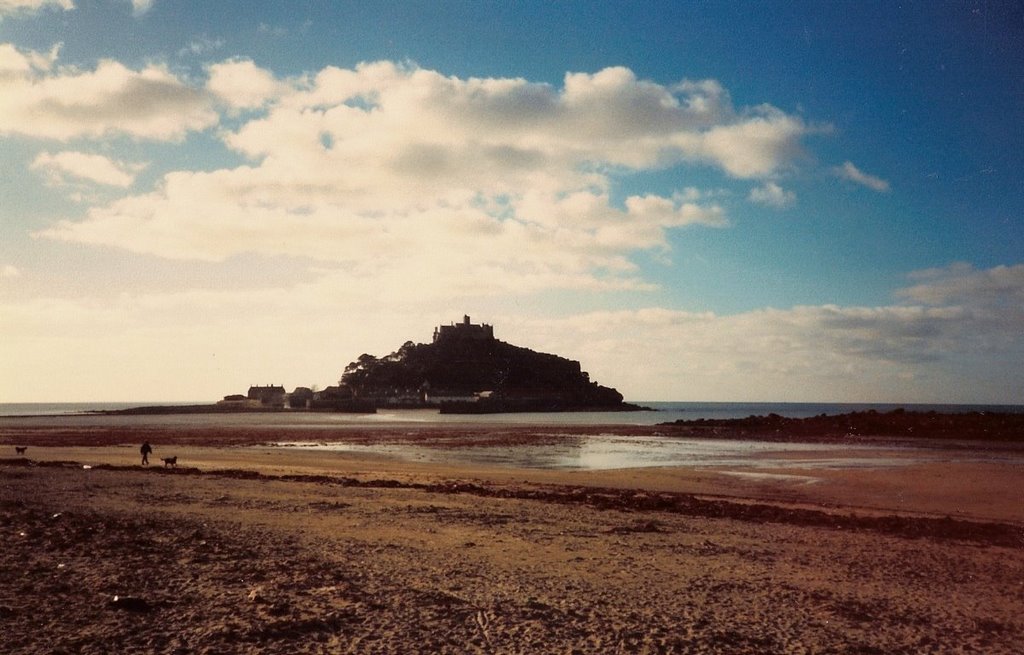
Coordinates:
[603,452]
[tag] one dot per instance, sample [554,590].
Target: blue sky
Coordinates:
[699,201]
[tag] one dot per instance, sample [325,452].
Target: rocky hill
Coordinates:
[467,370]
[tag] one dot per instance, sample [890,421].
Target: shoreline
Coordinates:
[969,479]
[56,432]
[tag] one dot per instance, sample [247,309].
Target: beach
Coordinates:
[250,547]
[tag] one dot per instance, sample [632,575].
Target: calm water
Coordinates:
[609,451]
[41,409]
[666,411]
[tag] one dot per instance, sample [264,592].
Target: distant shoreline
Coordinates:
[159,410]
[151,410]
[933,429]
[445,408]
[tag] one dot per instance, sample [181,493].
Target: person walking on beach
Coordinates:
[145,450]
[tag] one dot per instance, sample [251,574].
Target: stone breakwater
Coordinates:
[995,426]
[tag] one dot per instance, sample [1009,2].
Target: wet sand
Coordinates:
[247,548]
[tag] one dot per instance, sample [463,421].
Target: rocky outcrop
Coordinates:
[994,426]
[477,375]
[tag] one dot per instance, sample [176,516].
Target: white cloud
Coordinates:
[754,147]
[405,173]
[80,166]
[140,7]
[850,172]
[956,352]
[39,100]
[15,63]
[12,7]
[241,84]
[772,195]
[9,272]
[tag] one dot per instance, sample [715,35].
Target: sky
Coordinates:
[715,201]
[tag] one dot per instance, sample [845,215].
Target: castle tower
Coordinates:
[464,330]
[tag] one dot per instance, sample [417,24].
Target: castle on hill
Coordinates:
[464,331]
[465,370]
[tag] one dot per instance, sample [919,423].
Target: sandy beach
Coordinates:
[247,548]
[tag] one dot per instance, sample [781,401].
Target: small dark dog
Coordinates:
[20,449]
[170,461]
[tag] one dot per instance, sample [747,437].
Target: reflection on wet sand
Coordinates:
[606,452]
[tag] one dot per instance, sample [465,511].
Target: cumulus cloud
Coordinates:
[12,7]
[39,99]
[65,166]
[772,195]
[389,168]
[15,63]
[241,84]
[853,174]
[754,147]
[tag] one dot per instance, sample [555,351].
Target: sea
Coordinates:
[658,412]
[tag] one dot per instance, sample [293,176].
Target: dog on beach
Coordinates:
[20,449]
[170,461]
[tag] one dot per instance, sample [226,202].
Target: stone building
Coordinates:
[463,331]
[270,395]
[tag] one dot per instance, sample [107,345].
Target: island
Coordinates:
[463,370]
[466,370]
